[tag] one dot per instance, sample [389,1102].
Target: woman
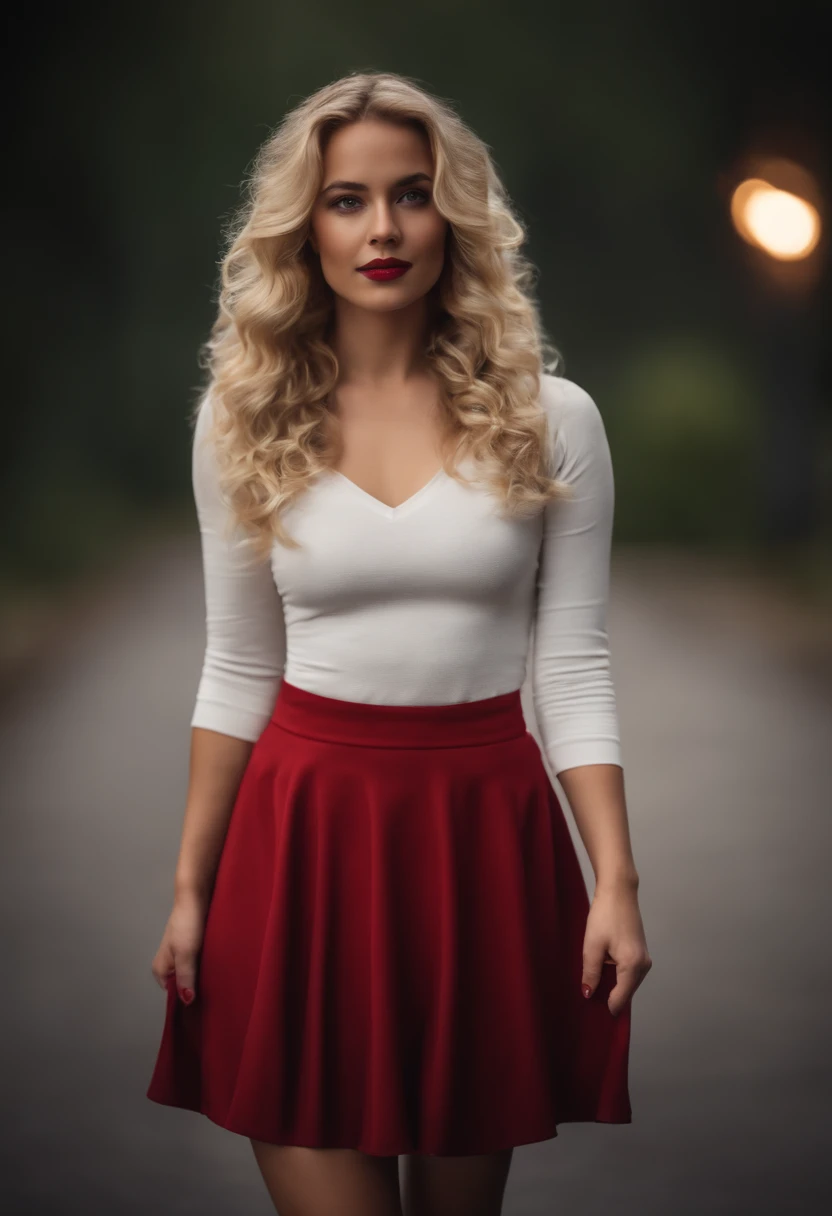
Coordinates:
[380,930]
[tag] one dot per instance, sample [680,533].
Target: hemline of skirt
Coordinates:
[451,1149]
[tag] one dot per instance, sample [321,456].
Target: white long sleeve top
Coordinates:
[427,603]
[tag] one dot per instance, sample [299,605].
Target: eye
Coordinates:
[421,197]
[344,198]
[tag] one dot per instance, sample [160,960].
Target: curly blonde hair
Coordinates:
[269,362]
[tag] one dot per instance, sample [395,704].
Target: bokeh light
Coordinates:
[784,224]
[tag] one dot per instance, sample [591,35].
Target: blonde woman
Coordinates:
[381,943]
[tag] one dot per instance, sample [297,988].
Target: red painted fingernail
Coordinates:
[187,995]
[586,990]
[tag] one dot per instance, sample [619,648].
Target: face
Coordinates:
[385,210]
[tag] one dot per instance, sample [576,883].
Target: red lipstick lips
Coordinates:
[382,269]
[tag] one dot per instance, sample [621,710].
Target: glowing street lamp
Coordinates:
[776,208]
[782,224]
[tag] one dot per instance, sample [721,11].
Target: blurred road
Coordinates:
[725,697]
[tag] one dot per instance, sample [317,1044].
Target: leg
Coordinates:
[455,1186]
[328,1181]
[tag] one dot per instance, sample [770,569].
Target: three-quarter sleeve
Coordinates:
[573,692]
[244,624]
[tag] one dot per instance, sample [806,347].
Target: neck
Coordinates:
[375,349]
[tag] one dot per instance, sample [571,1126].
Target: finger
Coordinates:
[186,979]
[161,973]
[592,971]
[630,978]
[622,993]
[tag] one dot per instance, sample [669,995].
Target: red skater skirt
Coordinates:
[392,954]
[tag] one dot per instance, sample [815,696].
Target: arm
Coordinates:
[241,671]
[572,685]
[573,690]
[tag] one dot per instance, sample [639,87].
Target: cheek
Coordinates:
[333,241]
[433,235]
[436,248]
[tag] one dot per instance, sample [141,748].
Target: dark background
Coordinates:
[617,127]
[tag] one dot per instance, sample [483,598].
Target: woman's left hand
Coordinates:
[615,935]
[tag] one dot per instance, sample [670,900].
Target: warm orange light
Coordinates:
[786,226]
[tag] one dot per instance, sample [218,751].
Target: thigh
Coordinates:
[328,1181]
[455,1186]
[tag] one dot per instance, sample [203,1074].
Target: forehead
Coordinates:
[373,149]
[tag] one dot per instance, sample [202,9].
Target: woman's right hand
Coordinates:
[178,953]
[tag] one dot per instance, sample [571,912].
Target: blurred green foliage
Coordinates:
[685,435]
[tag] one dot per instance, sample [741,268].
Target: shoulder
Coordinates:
[565,401]
[576,427]
[204,463]
[203,416]
[208,410]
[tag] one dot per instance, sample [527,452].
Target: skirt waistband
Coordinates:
[492,720]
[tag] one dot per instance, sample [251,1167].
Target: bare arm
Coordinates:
[596,798]
[217,764]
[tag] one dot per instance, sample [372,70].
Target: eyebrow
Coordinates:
[403,181]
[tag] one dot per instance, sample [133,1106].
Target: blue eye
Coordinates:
[421,197]
[343,199]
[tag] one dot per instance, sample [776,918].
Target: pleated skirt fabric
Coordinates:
[392,954]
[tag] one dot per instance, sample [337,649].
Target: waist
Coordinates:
[462,724]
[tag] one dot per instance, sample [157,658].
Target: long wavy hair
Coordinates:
[270,366]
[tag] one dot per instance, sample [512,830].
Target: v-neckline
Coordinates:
[382,507]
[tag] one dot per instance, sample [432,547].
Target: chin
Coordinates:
[385,300]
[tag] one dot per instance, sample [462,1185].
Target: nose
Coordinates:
[383,227]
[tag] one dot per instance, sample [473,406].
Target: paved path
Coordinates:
[727,728]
